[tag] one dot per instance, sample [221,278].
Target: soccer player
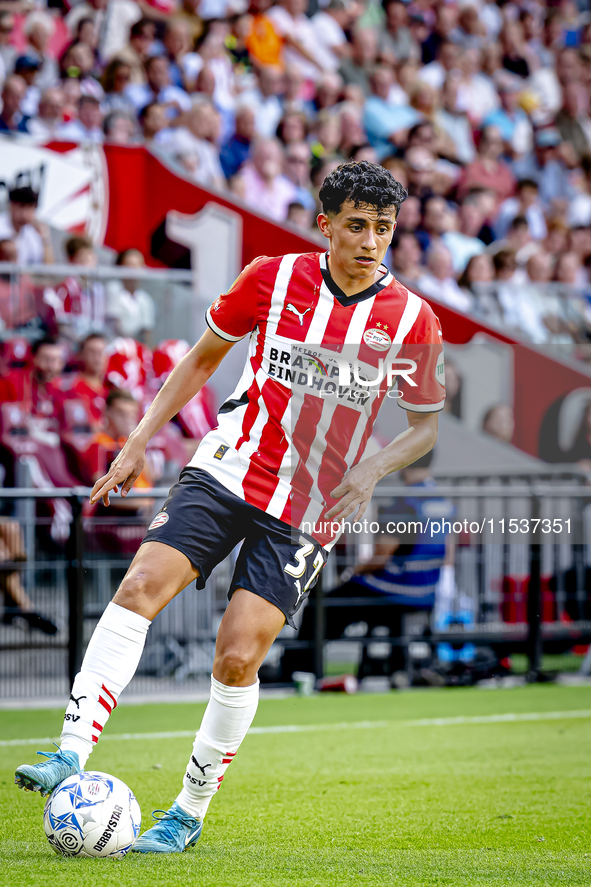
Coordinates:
[287,454]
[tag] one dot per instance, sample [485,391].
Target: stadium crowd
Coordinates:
[481,109]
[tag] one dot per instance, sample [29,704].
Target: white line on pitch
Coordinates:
[510,717]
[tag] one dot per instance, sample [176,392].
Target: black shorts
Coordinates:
[205,521]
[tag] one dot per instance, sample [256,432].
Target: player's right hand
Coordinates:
[124,472]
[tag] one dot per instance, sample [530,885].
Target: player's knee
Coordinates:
[232,667]
[140,593]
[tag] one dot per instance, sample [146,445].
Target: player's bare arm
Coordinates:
[356,488]
[185,381]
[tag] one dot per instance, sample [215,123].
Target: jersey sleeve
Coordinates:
[233,315]
[422,387]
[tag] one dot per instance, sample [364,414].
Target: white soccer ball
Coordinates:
[92,814]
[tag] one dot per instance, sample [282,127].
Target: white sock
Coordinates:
[110,662]
[228,716]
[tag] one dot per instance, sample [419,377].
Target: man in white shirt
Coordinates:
[439,283]
[301,45]
[32,238]
[463,243]
[159,89]
[192,146]
[265,101]
[328,27]
[45,124]
[88,127]
[446,61]
[131,311]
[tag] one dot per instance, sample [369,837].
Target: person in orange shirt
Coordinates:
[121,417]
[264,44]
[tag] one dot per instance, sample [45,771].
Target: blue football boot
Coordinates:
[173,832]
[44,777]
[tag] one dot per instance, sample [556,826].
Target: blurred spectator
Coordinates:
[579,209]
[330,25]
[327,92]
[265,189]
[38,30]
[499,422]
[438,281]
[445,28]
[36,386]
[292,127]
[384,123]
[32,238]
[524,203]
[300,216]
[446,61]
[396,42]
[436,220]
[115,80]
[470,32]
[17,604]
[517,57]
[236,150]
[88,384]
[136,53]
[405,256]
[512,123]
[264,44]
[476,275]
[452,120]
[194,144]
[154,124]
[176,45]
[119,128]
[302,49]
[544,165]
[13,93]
[88,127]
[489,171]
[121,418]
[264,98]
[572,121]
[77,62]
[364,53]
[78,302]
[18,307]
[7,49]
[463,242]
[27,67]
[159,88]
[297,171]
[131,311]
[49,117]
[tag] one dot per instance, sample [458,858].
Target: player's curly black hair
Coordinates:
[361,182]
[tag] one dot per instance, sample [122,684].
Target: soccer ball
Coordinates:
[92,814]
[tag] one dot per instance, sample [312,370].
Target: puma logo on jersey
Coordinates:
[300,314]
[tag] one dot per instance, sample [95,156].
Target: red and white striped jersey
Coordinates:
[303,411]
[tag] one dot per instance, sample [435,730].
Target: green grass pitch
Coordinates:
[384,802]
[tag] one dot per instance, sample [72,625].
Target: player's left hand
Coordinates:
[354,493]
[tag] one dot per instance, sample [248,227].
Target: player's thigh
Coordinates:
[279,564]
[248,628]
[157,573]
